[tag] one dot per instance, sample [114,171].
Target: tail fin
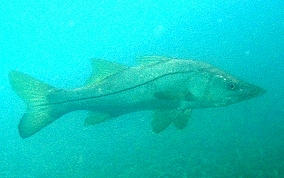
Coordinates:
[34,93]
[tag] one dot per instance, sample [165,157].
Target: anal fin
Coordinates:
[96,118]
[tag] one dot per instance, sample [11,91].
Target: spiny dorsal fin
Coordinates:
[103,69]
[146,60]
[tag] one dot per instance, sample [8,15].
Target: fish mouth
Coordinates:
[251,92]
[261,91]
[247,93]
[257,91]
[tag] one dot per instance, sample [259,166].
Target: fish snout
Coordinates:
[253,91]
[259,91]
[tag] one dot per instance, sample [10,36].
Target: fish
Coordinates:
[169,87]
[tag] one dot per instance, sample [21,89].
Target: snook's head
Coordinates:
[214,88]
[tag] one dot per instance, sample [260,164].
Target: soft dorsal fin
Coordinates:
[146,60]
[103,69]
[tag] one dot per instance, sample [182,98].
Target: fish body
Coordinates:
[170,87]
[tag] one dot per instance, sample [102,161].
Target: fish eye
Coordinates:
[232,85]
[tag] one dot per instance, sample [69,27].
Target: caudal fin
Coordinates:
[39,112]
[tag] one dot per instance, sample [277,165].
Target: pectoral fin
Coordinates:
[171,95]
[96,118]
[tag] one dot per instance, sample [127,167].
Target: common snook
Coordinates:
[170,87]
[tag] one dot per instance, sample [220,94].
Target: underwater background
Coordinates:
[54,42]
